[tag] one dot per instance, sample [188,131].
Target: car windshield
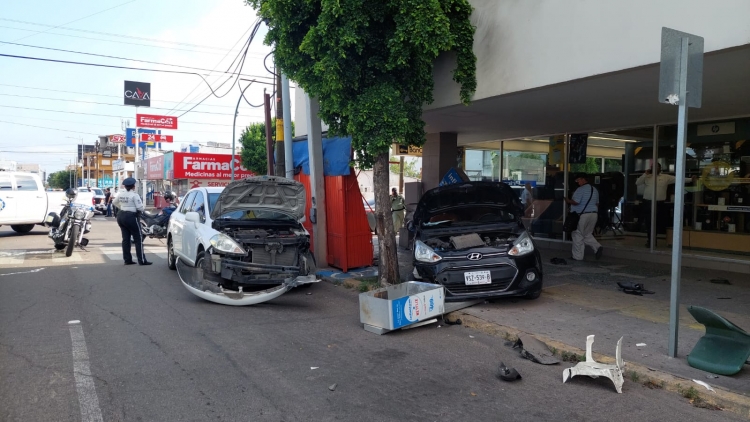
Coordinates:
[212,198]
[249,215]
[98,191]
[467,216]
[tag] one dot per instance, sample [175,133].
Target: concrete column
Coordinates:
[317,182]
[438,156]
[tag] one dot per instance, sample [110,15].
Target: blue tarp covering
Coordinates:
[336,156]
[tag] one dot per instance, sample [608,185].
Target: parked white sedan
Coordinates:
[228,243]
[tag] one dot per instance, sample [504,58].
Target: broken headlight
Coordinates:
[225,244]
[522,246]
[424,253]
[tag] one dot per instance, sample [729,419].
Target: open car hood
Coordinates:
[262,192]
[467,194]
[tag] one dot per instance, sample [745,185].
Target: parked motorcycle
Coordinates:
[155,225]
[68,228]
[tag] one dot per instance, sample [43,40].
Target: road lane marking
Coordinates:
[87,398]
[12,257]
[23,272]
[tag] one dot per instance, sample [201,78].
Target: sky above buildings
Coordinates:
[46,108]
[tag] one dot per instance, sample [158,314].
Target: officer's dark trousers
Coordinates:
[128,222]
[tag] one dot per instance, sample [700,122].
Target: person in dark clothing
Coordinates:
[130,206]
[108,202]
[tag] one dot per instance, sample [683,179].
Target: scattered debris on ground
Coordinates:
[594,369]
[535,350]
[507,374]
[633,288]
[704,384]
[640,345]
[332,387]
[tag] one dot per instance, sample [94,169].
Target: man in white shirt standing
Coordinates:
[585,202]
[662,182]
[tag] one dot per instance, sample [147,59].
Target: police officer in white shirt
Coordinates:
[662,182]
[130,206]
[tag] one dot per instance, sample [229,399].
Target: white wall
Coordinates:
[526,44]
[299,113]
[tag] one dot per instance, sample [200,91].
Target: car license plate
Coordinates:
[477,277]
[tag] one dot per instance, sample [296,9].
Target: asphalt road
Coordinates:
[155,352]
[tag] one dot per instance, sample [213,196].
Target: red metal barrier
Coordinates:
[349,237]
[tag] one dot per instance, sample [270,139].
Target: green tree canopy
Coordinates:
[61,179]
[253,141]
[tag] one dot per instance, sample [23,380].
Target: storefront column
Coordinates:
[438,156]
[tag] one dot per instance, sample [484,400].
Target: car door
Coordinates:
[191,234]
[177,224]
[8,201]
[30,197]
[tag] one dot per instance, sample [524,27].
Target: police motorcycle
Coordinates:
[155,225]
[68,228]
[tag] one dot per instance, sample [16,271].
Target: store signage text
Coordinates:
[152,137]
[137,94]
[208,166]
[117,139]
[156,122]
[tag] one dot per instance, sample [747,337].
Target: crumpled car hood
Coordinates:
[466,195]
[262,192]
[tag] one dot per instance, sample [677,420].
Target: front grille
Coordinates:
[286,257]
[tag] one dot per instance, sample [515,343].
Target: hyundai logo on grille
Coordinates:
[475,256]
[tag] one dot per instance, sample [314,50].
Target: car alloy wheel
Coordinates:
[171,259]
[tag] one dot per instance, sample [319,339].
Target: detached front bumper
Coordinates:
[248,273]
[195,281]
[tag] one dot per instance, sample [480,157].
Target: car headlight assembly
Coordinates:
[225,244]
[522,246]
[424,253]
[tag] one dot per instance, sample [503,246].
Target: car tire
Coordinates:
[22,228]
[171,257]
[533,295]
[73,239]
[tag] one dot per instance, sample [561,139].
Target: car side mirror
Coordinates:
[193,217]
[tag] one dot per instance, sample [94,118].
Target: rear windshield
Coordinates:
[460,216]
[98,191]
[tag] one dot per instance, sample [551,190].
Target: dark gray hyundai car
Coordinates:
[470,238]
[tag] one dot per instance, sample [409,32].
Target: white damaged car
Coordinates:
[244,244]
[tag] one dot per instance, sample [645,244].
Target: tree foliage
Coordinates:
[61,179]
[253,141]
[369,63]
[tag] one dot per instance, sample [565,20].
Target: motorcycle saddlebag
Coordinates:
[52,220]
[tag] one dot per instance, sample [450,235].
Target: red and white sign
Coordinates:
[117,139]
[154,168]
[152,137]
[208,166]
[156,122]
[208,183]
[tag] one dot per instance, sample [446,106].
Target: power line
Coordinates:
[113,67]
[241,64]
[98,115]
[116,42]
[246,45]
[50,128]
[122,58]
[107,104]
[101,95]
[79,19]
[109,34]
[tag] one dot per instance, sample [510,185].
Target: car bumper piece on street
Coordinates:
[193,280]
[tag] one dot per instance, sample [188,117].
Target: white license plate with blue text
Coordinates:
[477,277]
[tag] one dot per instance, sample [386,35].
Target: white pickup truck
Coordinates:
[23,201]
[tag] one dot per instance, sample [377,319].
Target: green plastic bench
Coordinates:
[724,348]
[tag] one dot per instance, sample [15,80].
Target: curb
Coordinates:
[723,399]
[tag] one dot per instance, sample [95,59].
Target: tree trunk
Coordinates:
[388,262]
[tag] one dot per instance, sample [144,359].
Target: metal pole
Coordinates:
[280,145]
[317,182]
[500,163]
[269,138]
[236,110]
[654,161]
[565,182]
[136,143]
[287,106]
[679,201]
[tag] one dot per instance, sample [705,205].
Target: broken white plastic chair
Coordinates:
[595,369]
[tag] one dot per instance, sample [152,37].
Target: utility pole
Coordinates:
[269,138]
[279,127]
[287,113]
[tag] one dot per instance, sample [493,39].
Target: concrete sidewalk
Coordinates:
[582,298]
